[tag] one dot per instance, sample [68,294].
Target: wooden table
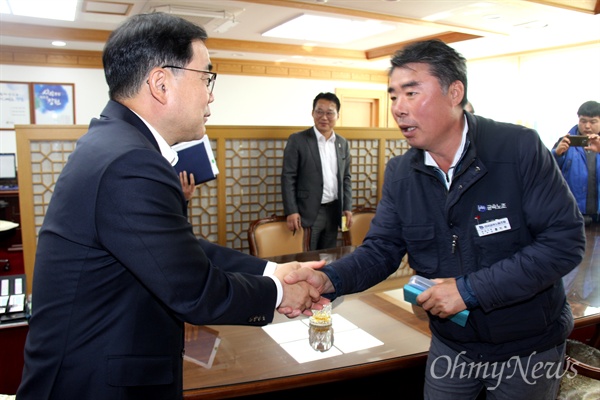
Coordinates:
[249,362]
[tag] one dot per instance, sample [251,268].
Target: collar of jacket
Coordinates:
[117,110]
[469,153]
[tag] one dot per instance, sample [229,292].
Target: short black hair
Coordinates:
[589,109]
[327,96]
[445,63]
[143,42]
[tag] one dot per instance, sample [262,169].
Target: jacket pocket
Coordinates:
[139,370]
[493,248]
[421,247]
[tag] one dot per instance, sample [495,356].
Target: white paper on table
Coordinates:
[398,296]
[287,331]
[293,338]
[302,352]
[354,340]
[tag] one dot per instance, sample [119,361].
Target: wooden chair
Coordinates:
[361,221]
[270,237]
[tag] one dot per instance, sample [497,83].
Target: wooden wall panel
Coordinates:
[11,55]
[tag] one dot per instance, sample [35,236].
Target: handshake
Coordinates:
[303,285]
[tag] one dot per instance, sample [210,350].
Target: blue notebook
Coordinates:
[196,157]
[416,285]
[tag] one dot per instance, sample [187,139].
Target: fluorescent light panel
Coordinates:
[191,12]
[63,10]
[107,8]
[327,29]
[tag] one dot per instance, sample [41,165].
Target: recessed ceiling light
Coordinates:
[59,43]
[327,29]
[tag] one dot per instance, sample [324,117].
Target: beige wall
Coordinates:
[541,90]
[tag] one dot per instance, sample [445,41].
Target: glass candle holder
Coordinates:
[320,330]
[320,337]
[321,317]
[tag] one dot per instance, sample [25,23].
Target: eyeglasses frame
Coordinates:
[210,81]
[321,113]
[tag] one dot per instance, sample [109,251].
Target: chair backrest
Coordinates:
[361,221]
[270,237]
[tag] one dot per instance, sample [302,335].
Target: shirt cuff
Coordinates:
[466,292]
[270,268]
[269,271]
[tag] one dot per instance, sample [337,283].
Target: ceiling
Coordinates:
[477,29]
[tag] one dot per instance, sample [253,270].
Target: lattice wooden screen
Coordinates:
[247,188]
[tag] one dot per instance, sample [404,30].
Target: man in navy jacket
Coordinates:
[118,269]
[481,208]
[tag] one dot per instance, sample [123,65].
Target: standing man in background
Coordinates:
[315,179]
[581,165]
[118,270]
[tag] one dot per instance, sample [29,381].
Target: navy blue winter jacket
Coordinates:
[506,172]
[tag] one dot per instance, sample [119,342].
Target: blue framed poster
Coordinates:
[54,103]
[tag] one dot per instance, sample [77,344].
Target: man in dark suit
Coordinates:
[118,269]
[315,179]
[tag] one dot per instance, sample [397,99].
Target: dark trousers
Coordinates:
[324,231]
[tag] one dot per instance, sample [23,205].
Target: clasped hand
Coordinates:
[302,287]
[443,299]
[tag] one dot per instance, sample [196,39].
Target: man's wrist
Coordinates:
[335,280]
[466,292]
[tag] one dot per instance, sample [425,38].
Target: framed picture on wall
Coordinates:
[14,104]
[54,103]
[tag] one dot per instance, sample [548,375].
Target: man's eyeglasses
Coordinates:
[210,80]
[330,114]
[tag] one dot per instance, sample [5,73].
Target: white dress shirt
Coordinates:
[329,166]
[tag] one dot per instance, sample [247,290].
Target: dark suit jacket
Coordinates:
[118,270]
[302,176]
